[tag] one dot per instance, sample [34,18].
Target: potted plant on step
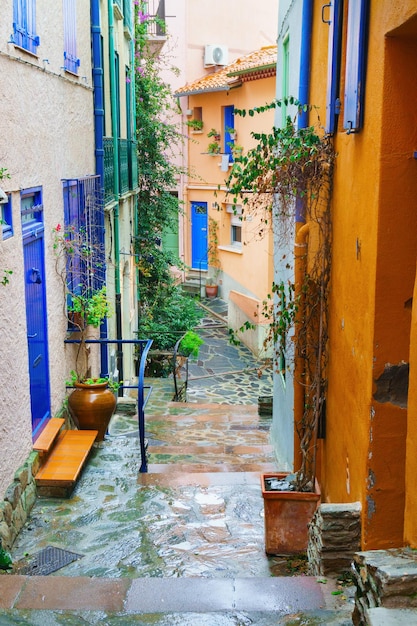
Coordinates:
[92,401]
[287,177]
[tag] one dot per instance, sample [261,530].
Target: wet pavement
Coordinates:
[196,516]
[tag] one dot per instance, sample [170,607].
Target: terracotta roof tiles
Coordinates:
[258,64]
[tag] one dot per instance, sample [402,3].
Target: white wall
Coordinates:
[46,134]
[282,429]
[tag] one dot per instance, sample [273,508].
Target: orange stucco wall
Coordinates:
[373,271]
[249,269]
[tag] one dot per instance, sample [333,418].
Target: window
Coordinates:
[24,25]
[6,218]
[235,225]
[229,127]
[236,231]
[333,68]
[71,62]
[84,225]
[31,211]
[355,65]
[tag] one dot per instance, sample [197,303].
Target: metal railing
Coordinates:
[144,347]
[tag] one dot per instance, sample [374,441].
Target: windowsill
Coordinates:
[233,249]
[34,55]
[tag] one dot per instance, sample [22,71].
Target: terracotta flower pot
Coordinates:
[211,291]
[92,406]
[287,515]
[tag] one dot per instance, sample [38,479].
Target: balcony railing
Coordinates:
[156,27]
[128,167]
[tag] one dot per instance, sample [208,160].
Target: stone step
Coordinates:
[280,595]
[391,617]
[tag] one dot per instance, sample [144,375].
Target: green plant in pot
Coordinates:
[287,179]
[195,125]
[93,401]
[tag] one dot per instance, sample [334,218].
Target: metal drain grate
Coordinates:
[49,560]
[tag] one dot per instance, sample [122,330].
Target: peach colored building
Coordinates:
[216,134]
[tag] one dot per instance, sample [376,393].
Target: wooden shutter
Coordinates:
[71,62]
[355,65]
[333,64]
[24,25]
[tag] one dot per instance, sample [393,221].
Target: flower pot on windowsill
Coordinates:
[287,515]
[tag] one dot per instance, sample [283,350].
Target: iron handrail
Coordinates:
[144,346]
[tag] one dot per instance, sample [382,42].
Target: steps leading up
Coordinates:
[60,471]
[46,439]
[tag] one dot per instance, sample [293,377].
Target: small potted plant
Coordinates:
[232,132]
[214,148]
[215,134]
[195,125]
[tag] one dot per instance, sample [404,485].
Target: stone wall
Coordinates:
[384,578]
[18,501]
[334,537]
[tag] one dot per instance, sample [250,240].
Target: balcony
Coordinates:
[128,167]
[156,26]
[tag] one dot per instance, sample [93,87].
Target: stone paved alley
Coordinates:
[184,543]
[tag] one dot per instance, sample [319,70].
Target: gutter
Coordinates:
[116,190]
[98,100]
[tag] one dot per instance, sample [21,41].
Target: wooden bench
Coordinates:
[60,471]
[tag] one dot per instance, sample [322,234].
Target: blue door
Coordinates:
[36,313]
[199,235]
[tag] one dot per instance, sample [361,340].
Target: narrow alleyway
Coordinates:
[184,543]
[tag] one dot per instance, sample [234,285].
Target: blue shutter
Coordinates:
[24,25]
[333,64]
[71,62]
[229,122]
[355,64]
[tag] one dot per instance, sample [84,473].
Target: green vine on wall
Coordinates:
[286,179]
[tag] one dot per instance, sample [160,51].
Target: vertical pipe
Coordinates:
[305,60]
[98,100]
[114,110]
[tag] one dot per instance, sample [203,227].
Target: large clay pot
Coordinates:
[287,515]
[92,406]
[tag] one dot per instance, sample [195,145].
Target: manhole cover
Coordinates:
[49,560]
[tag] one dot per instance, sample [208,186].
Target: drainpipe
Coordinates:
[98,99]
[116,234]
[300,260]
[305,60]
[301,228]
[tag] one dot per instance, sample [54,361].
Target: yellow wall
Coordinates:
[373,270]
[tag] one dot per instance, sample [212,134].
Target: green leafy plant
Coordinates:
[5,560]
[214,133]
[77,259]
[288,168]
[195,124]
[190,344]
[214,148]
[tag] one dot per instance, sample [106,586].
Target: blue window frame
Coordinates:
[84,226]
[333,64]
[71,61]
[24,25]
[356,45]
[229,125]
[6,223]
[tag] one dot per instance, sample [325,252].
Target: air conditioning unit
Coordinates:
[215,54]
